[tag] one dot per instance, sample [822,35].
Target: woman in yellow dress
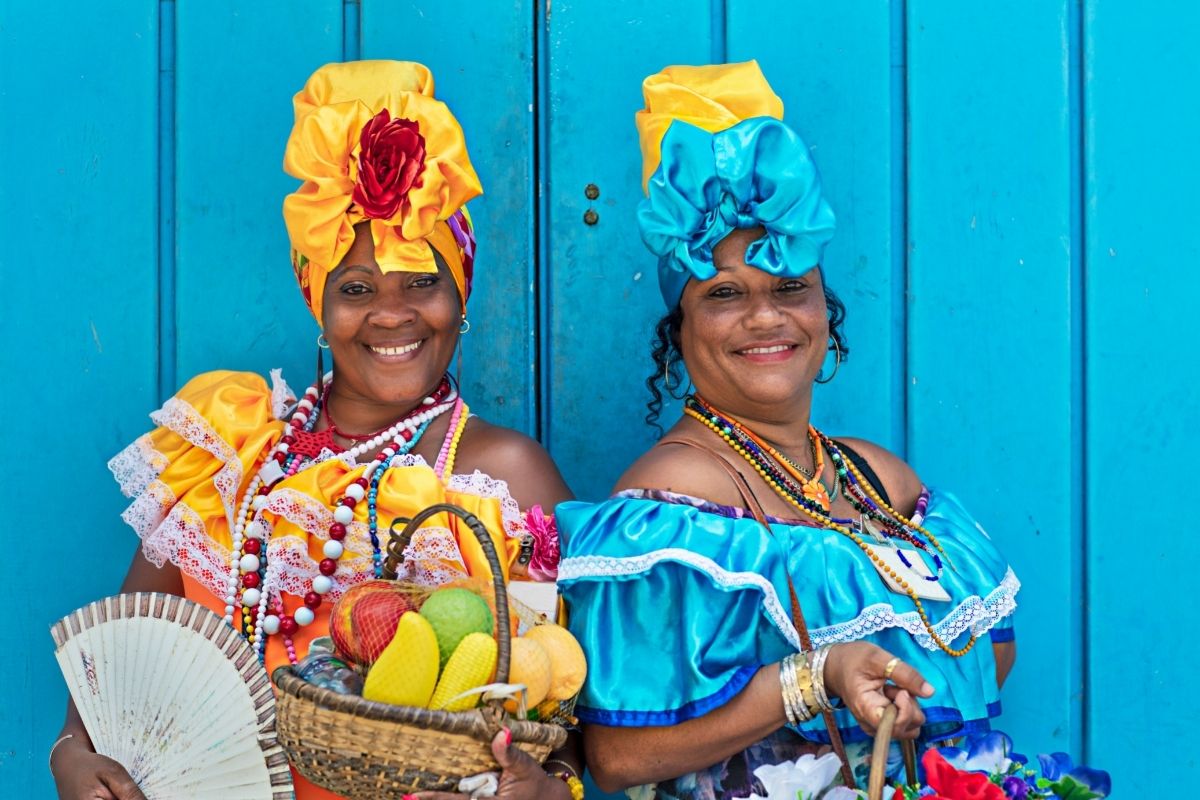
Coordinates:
[265,505]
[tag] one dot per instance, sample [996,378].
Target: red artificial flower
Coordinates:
[391,157]
[953,784]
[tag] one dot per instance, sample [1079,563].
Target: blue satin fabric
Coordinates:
[757,173]
[677,607]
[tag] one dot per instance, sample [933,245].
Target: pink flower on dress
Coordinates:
[543,564]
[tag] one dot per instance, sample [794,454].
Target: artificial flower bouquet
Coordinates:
[987,769]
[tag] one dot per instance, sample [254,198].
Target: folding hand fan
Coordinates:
[176,696]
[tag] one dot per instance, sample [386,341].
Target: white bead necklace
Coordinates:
[248,538]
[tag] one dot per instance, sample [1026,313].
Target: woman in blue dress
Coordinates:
[756,590]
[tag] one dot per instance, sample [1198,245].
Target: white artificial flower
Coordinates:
[803,779]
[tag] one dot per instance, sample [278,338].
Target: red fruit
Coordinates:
[364,619]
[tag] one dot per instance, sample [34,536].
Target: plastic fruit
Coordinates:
[483,587]
[471,666]
[454,613]
[406,672]
[568,667]
[364,619]
[528,664]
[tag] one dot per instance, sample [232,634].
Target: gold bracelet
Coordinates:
[794,679]
[807,693]
[53,747]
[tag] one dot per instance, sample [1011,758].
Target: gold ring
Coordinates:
[890,667]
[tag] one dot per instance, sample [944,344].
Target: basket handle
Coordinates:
[883,740]
[395,557]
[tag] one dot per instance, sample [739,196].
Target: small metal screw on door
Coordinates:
[591,192]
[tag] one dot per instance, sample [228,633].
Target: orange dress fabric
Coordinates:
[186,479]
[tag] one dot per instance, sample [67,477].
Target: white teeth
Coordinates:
[396,351]
[779,348]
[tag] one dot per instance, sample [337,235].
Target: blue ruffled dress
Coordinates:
[678,602]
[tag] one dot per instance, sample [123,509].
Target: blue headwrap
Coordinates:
[756,173]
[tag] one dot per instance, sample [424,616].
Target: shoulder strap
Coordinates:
[756,510]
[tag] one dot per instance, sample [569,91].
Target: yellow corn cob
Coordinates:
[406,670]
[472,664]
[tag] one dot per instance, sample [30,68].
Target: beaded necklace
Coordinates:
[250,584]
[737,437]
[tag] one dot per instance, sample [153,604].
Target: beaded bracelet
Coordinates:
[574,785]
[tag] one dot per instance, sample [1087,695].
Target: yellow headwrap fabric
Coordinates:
[411,161]
[713,97]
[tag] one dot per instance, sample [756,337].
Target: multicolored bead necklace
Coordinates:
[250,577]
[739,438]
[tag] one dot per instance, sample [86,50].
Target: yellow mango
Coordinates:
[406,671]
[472,664]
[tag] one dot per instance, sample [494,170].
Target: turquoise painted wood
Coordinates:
[992,343]
[1014,192]
[597,362]
[482,64]
[79,210]
[236,302]
[1142,399]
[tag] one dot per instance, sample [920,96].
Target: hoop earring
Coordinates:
[322,342]
[321,348]
[465,327]
[837,364]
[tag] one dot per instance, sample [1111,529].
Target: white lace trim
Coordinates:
[182,418]
[582,567]
[481,484]
[282,396]
[171,531]
[290,552]
[137,465]
[975,614]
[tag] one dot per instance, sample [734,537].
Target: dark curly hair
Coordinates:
[668,361]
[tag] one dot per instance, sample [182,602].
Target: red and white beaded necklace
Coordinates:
[255,590]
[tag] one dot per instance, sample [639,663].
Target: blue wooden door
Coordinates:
[1014,185]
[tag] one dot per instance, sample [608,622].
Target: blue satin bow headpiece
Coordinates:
[756,173]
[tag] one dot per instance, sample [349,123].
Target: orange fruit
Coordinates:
[568,666]
[529,663]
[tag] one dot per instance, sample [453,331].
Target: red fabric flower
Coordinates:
[391,157]
[952,784]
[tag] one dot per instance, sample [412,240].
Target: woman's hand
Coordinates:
[522,777]
[81,774]
[857,672]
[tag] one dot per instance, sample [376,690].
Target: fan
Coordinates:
[174,695]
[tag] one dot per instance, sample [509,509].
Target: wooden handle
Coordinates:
[879,756]
[395,556]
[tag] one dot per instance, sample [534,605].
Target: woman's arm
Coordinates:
[622,757]
[510,456]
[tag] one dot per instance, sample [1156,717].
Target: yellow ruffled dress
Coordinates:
[186,479]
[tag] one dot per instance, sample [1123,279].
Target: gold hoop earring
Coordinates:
[837,364]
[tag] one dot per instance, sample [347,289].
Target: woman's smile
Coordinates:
[767,352]
[394,353]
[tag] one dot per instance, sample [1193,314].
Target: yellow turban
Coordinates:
[713,98]
[371,143]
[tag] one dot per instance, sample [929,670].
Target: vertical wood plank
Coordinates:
[78,222]
[991,346]
[236,301]
[482,63]
[602,290]
[832,65]
[1143,400]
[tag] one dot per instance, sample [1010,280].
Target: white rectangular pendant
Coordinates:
[916,576]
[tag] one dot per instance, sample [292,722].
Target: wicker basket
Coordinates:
[362,749]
